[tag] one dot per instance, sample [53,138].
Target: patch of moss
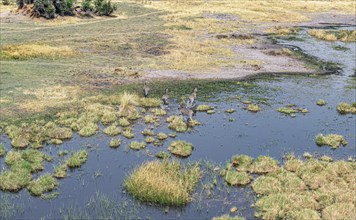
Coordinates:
[112,130]
[77,159]
[163,182]
[89,129]
[147,132]
[2,150]
[180,148]
[60,171]
[264,164]
[43,184]
[137,145]
[177,123]
[204,108]
[123,122]
[236,178]
[128,133]
[115,142]
[161,136]
[321,102]
[345,108]
[332,140]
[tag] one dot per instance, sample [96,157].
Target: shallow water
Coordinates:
[220,136]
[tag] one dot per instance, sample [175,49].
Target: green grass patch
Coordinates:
[177,123]
[89,129]
[112,130]
[163,182]
[161,136]
[332,140]
[264,164]
[77,159]
[204,108]
[236,178]
[43,184]
[128,133]
[345,108]
[60,171]
[181,148]
[115,142]
[137,145]
[148,132]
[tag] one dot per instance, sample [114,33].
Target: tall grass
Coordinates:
[163,182]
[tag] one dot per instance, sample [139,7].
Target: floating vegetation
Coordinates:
[172,134]
[149,140]
[112,130]
[150,102]
[163,182]
[60,171]
[253,108]
[158,111]
[291,109]
[177,123]
[210,112]
[345,108]
[161,136]
[115,142]
[230,111]
[123,122]
[2,150]
[180,148]
[147,132]
[236,178]
[149,119]
[77,159]
[264,164]
[89,129]
[321,102]
[43,184]
[162,155]
[137,145]
[128,133]
[332,140]
[62,153]
[204,108]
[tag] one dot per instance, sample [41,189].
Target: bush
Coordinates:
[87,5]
[44,8]
[104,7]
[64,7]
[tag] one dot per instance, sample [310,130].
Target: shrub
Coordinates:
[64,7]
[44,8]
[87,5]
[104,7]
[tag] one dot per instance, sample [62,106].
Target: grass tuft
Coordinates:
[181,148]
[321,102]
[177,123]
[137,145]
[161,136]
[115,142]
[2,150]
[43,184]
[332,140]
[345,108]
[112,130]
[236,178]
[163,182]
[204,108]
[264,164]
[77,159]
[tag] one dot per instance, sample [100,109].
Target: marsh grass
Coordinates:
[112,130]
[332,140]
[181,148]
[345,108]
[230,111]
[163,182]
[149,102]
[149,140]
[228,217]
[123,122]
[236,178]
[29,51]
[264,164]
[253,108]
[177,124]
[89,129]
[241,162]
[161,136]
[137,145]
[108,117]
[162,155]
[332,35]
[150,119]
[60,171]
[15,179]
[43,184]
[2,150]
[128,103]
[115,142]
[159,111]
[128,133]
[321,102]
[77,159]
[204,108]
[148,132]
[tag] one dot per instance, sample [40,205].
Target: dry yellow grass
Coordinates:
[28,51]
[49,97]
